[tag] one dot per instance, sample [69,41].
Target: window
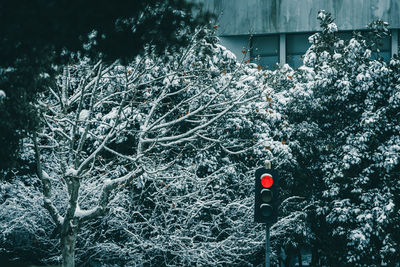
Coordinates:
[385,49]
[395,35]
[296,47]
[265,50]
[398,42]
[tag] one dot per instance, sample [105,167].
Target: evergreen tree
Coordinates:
[37,34]
[343,115]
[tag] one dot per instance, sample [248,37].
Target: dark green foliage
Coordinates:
[17,116]
[36,34]
[344,133]
[123,27]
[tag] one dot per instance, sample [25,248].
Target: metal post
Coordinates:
[268,164]
[267,246]
[267,227]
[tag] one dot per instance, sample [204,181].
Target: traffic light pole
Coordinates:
[267,246]
[267,227]
[266,194]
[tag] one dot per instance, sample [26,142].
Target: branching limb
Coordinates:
[45,179]
[108,186]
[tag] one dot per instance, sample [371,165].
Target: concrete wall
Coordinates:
[241,17]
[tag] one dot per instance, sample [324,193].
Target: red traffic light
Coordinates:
[266,180]
[266,195]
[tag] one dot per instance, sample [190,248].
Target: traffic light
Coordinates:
[266,195]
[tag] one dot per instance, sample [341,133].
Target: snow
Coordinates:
[44,75]
[339,44]
[45,175]
[196,189]
[84,115]
[83,213]
[227,53]
[337,56]
[111,115]
[367,53]
[71,172]
[309,59]
[332,27]
[2,94]
[322,15]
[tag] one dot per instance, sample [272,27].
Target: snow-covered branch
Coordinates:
[104,199]
[164,131]
[45,179]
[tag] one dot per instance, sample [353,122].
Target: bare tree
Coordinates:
[104,126]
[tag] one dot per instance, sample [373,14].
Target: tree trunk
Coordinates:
[68,249]
[290,259]
[299,259]
[280,257]
[70,226]
[314,256]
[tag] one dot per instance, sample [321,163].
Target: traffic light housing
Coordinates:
[266,195]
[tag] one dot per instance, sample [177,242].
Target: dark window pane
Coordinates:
[346,36]
[267,61]
[294,61]
[297,44]
[265,45]
[385,54]
[386,44]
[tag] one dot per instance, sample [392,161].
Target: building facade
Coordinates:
[277,31]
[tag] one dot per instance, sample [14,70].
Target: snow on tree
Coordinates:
[26,228]
[159,154]
[344,131]
[200,211]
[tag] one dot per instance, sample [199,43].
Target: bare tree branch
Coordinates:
[43,176]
